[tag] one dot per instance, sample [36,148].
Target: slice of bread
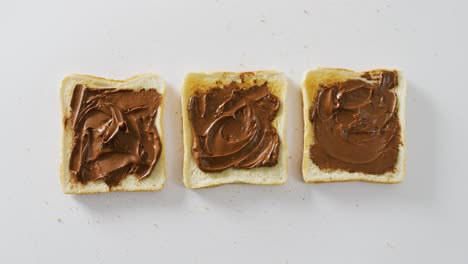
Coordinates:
[311,86]
[155,180]
[203,82]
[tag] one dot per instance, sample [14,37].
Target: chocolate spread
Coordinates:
[232,127]
[114,133]
[356,124]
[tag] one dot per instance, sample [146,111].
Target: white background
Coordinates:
[422,220]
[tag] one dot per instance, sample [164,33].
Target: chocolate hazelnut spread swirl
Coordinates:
[356,124]
[114,134]
[232,127]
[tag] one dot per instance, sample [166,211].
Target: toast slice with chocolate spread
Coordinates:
[234,128]
[354,126]
[112,134]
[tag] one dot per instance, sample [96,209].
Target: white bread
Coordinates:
[155,180]
[311,172]
[201,82]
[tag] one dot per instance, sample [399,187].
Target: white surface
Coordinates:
[422,220]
